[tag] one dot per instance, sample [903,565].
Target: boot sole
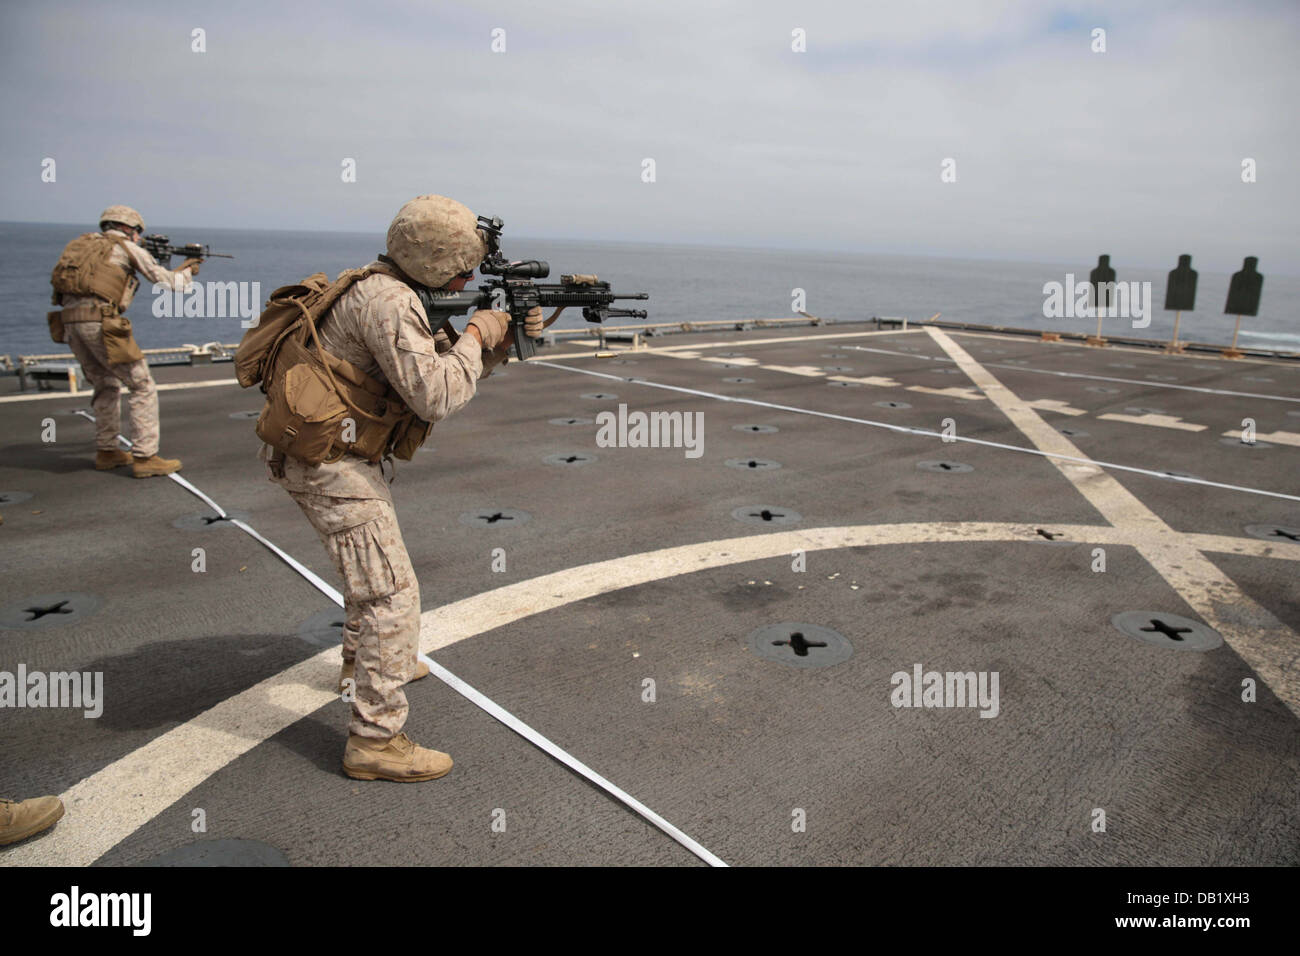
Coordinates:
[154,474]
[34,829]
[372,775]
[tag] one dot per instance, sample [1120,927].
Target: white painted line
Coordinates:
[1276,438]
[1121,350]
[919,431]
[533,737]
[1251,547]
[1098,378]
[1260,639]
[110,805]
[737,344]
[1155,420]
[469,693]
[86,393]
[316,581]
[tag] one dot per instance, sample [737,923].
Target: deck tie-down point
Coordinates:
[800,645]
[59,607]
[945,467]
[1167,630]
[569,458]
[49,610]
[495,517]
[766,514]
[1273,532]
[206,520]
[752,464]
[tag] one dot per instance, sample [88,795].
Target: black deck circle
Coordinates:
[766,515]
[752,464]
[800,645]
[1283,534]
[1170,631]
[570,458]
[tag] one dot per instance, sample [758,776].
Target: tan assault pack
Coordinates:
[84,269]
[320,407]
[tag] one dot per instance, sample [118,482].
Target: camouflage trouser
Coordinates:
[381,601]
[87,342]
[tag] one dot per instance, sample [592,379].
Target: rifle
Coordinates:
[515,292]
[161,249]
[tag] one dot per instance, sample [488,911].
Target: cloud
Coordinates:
[1060,151]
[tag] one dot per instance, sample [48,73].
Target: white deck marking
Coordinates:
[1055,405]
[86,393]
[111,804]
[880,381]
[962,393]
[1267,645]
[1275,438]
[451,680]
[542,743]
[1080,460]
[1097,378]
[1158,421]
[114,802]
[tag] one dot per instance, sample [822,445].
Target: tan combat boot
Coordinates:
[108,460]
[397,758]
[18,821]
[349,672]
[153,466]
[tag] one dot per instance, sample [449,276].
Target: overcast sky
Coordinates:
[1060,152]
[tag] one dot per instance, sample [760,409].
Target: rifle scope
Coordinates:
[524,269]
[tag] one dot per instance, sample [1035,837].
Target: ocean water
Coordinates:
[686,283]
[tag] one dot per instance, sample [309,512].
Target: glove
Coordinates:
[533,322]
[192,265]
[492,326]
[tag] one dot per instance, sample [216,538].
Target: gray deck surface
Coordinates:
[1186,772]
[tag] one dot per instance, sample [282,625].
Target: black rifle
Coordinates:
[161,249]
[514,291]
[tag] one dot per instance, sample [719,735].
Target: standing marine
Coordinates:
[350,384]
[94,282]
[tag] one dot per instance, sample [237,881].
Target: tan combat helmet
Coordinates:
[123,214]
[433,239]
